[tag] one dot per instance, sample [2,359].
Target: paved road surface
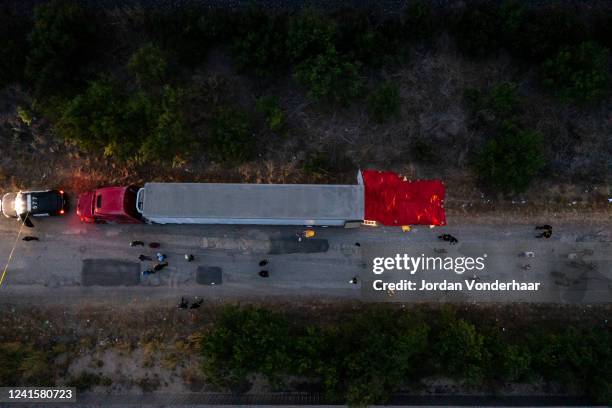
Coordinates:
[73,261]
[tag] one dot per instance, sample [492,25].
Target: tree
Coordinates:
[509,161]
[148,65]
[309,35]
[329,76]
[231,137]
[135,127]
[270,107]
[243,342]
[61,46]
[460,350]
[579,74]
[259,45]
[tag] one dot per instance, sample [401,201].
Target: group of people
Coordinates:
[546,233]
[184,304]
[160,258]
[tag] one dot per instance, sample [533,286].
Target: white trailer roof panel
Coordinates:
[291,204]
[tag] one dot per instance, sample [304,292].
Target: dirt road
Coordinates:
[73,261]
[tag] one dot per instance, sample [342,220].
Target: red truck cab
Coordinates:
[109,205]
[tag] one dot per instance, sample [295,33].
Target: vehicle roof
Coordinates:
[45,201]
[112,200]
[253,201]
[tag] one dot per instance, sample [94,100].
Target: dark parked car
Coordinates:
[33,203]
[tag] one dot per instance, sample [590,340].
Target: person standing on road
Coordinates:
[354,280]
[189,257]
[29,238]
[264,274]
[263,262]
[160,257]
[136,243]
[183,304]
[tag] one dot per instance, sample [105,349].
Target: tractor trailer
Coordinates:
[371,199]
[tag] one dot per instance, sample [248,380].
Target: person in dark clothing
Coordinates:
[197,304]
[357,244]
[136,243]
[354,280]
[263,262]
[159,266]
[545,234]
[448,238]
[546,231]
[183,304]
[264,274]
[154,245]
[30,238]
[189,257]
[148,272]
[144,258]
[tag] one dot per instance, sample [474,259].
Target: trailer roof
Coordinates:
[253,201]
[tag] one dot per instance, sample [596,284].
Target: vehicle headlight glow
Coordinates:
[20,205]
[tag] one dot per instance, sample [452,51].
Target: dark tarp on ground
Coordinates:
[390,200]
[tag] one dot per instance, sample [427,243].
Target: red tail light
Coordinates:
[61,192]
[61,211]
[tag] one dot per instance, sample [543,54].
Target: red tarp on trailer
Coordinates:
[390,200]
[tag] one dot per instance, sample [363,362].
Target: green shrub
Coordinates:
[23,365]
[362,358]
[259,45]
[270,107]
[330,77]
[467,363]
[231,138]
[477,30]
[580,74]
[148,65]
[510,161]
[384,102]
[498,104]
[246,341]
[13,46]
[309,35]
[169,136]
[134,127]
[62,43]
[376,351]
